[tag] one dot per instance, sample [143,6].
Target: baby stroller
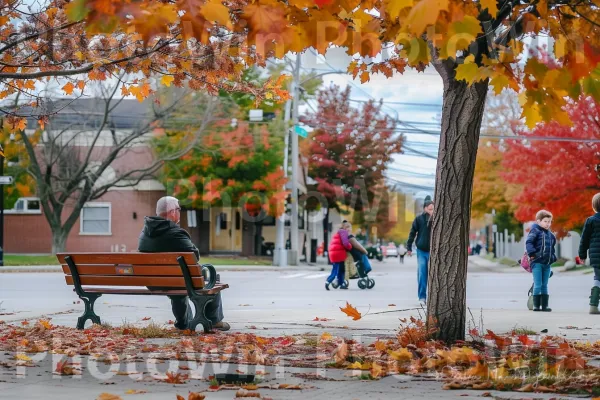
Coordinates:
[364,282]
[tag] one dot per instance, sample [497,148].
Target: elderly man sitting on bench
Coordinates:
[163,234]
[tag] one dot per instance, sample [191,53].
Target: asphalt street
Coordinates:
[283,301]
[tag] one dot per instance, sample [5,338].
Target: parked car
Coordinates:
[391,250]
[374,251]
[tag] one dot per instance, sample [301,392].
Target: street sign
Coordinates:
[301,131]
[6,180]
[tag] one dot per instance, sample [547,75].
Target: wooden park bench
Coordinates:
[93,274]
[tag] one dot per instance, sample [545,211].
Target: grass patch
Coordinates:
[523,331]
[508,261]
[560,262]
[19,260]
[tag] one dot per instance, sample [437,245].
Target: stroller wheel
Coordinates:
[370,283]
[335,284]
[362,283]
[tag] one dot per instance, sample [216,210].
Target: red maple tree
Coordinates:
[559,176]
[350,148]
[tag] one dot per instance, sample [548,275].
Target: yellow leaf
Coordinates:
[393,7]
[499,82]
[532,115]
[108,396]
[401,355]
[560,46]
[423,14]
[167,79]
[214,10]
[68,88]
[1,151]
[326,336]
[22,357]
[269,95]
[376,370]
[491,6]
[380,346]
[355,365]
[79,55]
[467,72]
[133,391]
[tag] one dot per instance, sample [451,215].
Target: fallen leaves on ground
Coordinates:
[192,396]
[134,391]
[487,362]
[108,396]
[322,319]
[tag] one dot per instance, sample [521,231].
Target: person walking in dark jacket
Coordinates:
[163,234]
[590,242]
[540,247]
[421,228]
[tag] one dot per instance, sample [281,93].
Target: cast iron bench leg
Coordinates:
[200,303]
[89,313]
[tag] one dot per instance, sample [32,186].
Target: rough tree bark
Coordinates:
[462,113]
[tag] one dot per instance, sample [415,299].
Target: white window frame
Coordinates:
[96,204]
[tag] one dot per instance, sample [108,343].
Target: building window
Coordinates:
[95,219]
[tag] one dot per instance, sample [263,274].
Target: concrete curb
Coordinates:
[262,268]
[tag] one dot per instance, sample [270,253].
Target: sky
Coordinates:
[423,89]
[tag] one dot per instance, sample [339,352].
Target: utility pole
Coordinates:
[1,212]
[280,253]
[295,155]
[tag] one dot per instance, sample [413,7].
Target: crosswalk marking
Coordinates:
[317,276]
[294,276]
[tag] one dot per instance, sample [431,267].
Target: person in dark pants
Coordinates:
[163,234]
[421,228]
[590,241]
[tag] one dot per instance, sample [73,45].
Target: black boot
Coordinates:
[545,307]
[536,302]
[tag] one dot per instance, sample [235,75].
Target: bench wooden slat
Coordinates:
[215,290]
[166,281]
[132,270]
[127,258]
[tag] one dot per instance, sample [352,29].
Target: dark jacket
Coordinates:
[421,227]
[540,245]
[590,240]
[162,235]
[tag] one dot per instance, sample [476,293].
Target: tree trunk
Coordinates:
[463,108]
[59,240]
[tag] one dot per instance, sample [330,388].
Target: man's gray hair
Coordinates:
[166,204]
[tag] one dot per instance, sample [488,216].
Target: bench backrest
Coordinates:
[131,269]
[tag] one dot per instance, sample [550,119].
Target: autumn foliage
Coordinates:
[349,149]
[561,176]
[231,167]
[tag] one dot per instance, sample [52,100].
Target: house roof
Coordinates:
[127,114]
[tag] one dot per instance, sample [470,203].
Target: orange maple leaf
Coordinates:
[352,312]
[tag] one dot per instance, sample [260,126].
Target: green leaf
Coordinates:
[591,84]
[77,10]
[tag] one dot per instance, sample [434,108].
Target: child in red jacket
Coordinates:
[337,254]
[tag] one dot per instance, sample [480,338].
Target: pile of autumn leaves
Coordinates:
[502,362]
